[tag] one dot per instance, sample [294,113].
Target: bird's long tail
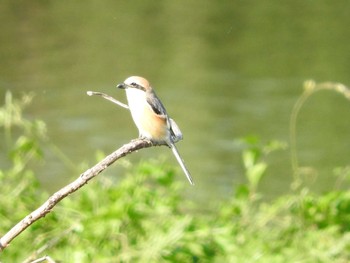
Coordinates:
[181,162]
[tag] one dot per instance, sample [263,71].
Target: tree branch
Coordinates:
[83,179]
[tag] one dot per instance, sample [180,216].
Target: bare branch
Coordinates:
[45,258]
[83,179]
[107,97]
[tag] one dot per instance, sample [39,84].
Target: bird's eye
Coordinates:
[133,84]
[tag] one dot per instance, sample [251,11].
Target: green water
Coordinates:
[223,69]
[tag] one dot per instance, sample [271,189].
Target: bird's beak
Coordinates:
[121,86]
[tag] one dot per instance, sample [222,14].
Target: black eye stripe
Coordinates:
[137,86]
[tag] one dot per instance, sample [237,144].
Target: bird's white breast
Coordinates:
[137,102]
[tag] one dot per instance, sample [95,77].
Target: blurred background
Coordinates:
[224,70]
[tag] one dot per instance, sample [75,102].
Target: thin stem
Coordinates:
[292,132]
[310,87]
[107,97]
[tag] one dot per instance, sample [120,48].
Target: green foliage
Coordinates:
[253,160]
[147,218]
[22,144]
[332,208]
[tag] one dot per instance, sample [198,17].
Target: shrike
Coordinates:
[150,116]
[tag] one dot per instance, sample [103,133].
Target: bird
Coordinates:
[151,118]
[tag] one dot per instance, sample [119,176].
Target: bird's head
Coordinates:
[135,82]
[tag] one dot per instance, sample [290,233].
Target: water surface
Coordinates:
[224,70]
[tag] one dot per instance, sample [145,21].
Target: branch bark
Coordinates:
[83,179]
